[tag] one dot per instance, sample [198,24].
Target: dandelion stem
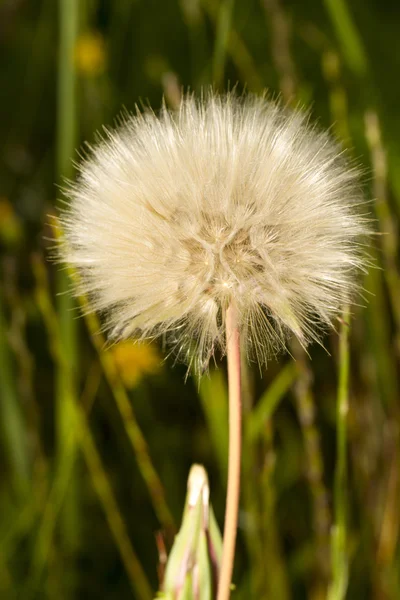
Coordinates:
[234,458]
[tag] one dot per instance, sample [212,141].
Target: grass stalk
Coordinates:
[349,38]
[11,416]
[137,577]
[234,456]
[306,410]
[387,225]
[81,433]
[305,402]
[197,32]
[238,51]
[213,394]
[134,433]
[339,533]
[269,401]
[261,534]
[276,583]
[221,41]
[66,381]
[251,506]
[280,48]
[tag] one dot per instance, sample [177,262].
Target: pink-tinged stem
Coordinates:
[234,459]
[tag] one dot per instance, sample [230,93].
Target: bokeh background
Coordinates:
[96,442]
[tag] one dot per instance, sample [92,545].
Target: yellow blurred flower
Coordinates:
[10,225]
[136,360]
[90,54]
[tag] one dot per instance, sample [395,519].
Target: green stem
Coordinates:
[130,423]
[322,520]
[137,576]
[11,416]
[339,534]
[81,434]
[221,41]
[348,36]
[67,370]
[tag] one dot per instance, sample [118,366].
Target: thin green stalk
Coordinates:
[221,40]
[67,107]
[197,32]
[213,394]
[135,435]
[338,103]
[348,36]
[276,584]
[66,381]
[35,76]
[124,406]
[356,57]
[18,527]
[269,401]
[339,554]
[280,48]
[286,69]
[63,477]
[11,416]
[339,533]
[238,51]
[387,225]
[50,515]
[7,586]
[378,317]
[81,433]
[260,534]
[24,374]
[133,567]
[285,66]
[251,506]
[306,410]
[377,321]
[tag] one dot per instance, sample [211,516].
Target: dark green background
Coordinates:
[290,470]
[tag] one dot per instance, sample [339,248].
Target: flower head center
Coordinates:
[222,258]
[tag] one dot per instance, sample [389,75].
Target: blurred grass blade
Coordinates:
[135,435]
[314,463]
[221,41]
[81,433]
[12,423]
[269,401]
[237,50]
[213,394]
[338,102]
[7,586]
[280,27]
[348,36]
[66,381]
[137,577]
[340,565]
[197,32]
[387,224]
[261,531]
[124,406]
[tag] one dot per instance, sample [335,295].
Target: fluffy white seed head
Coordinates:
[225,200]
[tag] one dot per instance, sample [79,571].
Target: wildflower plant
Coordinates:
[194,561]
[227,226]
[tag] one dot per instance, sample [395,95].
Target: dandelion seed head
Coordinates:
[227,199]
